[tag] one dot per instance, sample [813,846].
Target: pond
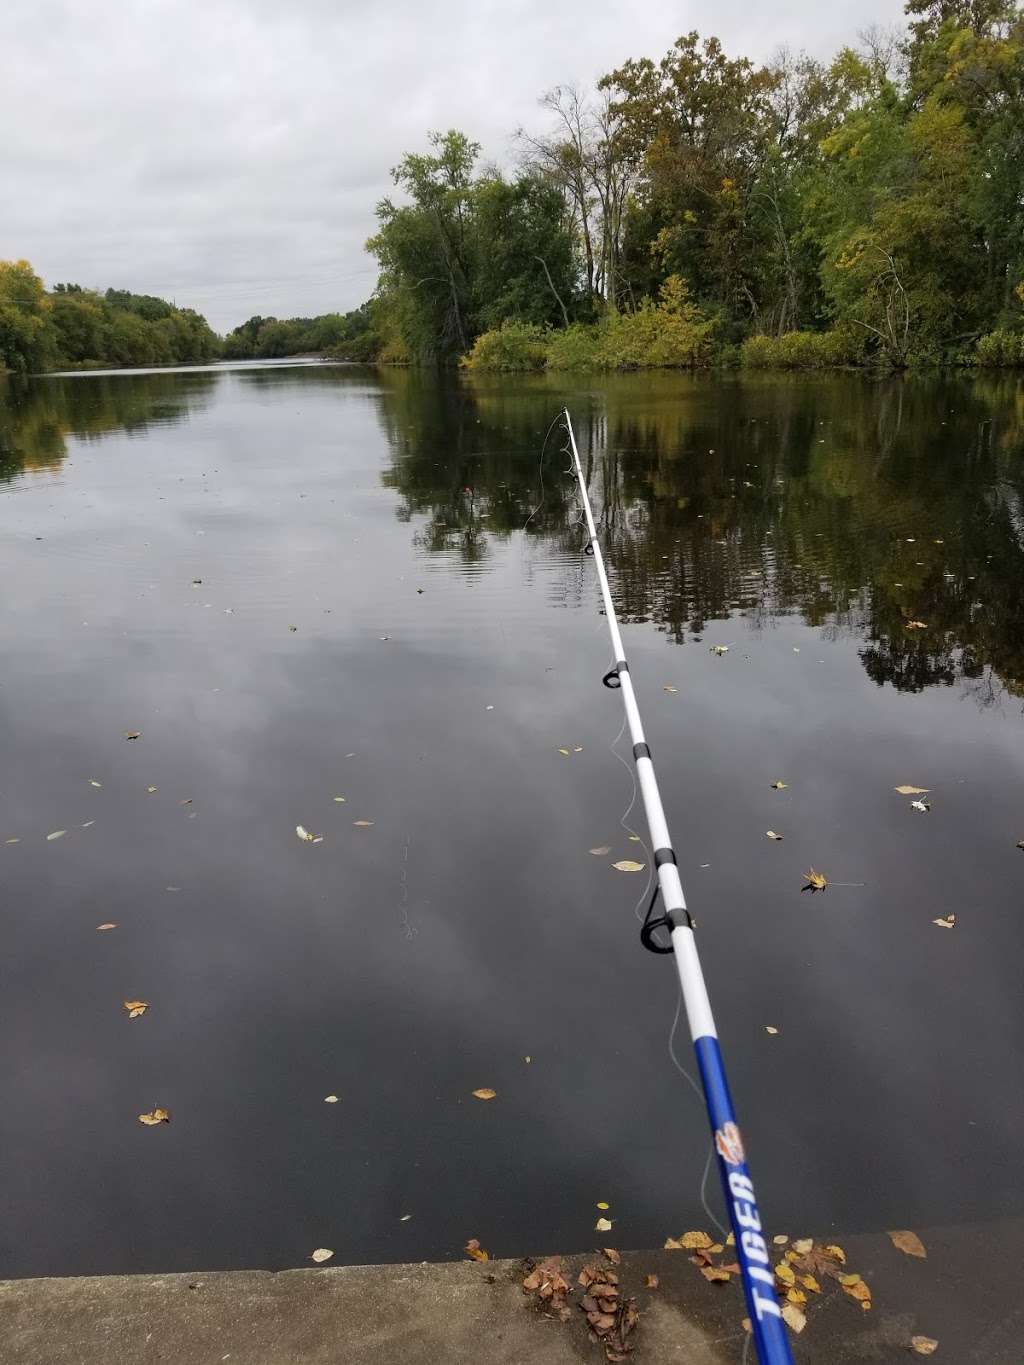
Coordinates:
[298,584]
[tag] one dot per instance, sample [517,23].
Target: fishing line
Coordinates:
[540,470]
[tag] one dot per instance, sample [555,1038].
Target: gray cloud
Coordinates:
[229,153]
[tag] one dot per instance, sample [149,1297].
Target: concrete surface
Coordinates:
[965,1295]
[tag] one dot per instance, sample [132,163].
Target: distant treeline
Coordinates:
[868,209]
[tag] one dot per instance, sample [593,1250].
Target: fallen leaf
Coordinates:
[485,1094]
[600,852]
[907,790]
[186,801]
[339,799]
[330,1099]
[602,1205]
[603,1225]
[362,824]
[475,1251]
[946,922]
[924,1346]
[916,625]
[304,834]
[157,1116]
[667,688]
[88,824]
[793,1317]
[924,806]
[18,841]
[133,734]
[803,1245]
[768,1029]
[635,839]
[295,628]
[321,1254]
[564,751]
[106,926]
[816,881]
[719,649]
[405,1217]
[909,1243]
[715,1274]
[857,1290]
[770,834]
[694,1241]
[612,1255]
[781,1239]
[779,786]
[809,1282]
[796,1296]
[652,1281]
[151,790]
[627,865]
[136,1007]
[785,1273]
[94,783]
[57,834]
[835,1252]
[577,748]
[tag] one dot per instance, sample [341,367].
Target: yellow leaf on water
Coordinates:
[94,783]
[330,1099]
[835,1252]
[12,841]
[695,1241]
[475,1251]
[793,1317]
[362,824]
[321,1254]
[768,1029]
[924,1346]
[671,1244]
[157,1116]
[106,926]
[603,1225]
[803,1245]
[780,1239]
[668,688]
[635,839]
[340,799]
[716,1274]
[907,790]
[627,865]
[304,834]
[809,1282]
[600,852]
[484,1093]
[133,734]
[785,1273]
[909,1243]
[780,786]
[859,1291]
[770,834]
[57,834]
[796,1296]
[816,881]
[136,1007]
[564,751]
[151,790]
[945,922]
[602,1205]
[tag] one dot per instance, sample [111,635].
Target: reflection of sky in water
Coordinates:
[280,973]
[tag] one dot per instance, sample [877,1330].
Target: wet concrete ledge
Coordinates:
[965,1295]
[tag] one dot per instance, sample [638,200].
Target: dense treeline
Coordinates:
[870,208]
[348,336]
[76,326]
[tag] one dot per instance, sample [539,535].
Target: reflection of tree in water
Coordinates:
[36,415]
[859,505]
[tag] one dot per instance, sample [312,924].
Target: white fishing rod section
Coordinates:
[768,1328]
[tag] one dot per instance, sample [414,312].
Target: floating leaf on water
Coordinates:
[293,629]
[652,1282]
[924,1346]
[602,1205]
[94,783]
[362,824]
[627,865]
[793,1317]
[304,834]
[527,1059]
[785,1273]
[669,688]
[796,1296]
[635,839]
[110,924]
[157,1116]
[321,1254]
[671,1244]
[564,751]
[577,748]
[835,1252]
[719,649]
[770,834]
[768,1029]
[780,1239]
[857,1289]
[600,852]
[485,1093]
[340,799]
[186,801]
[908,1242]
[695,1241]
[330,1099]
[133,734]
[803,1245]
[923,806]
[603,1225]
[779,786]
[716,1274]
[916,625]
[55,834]
[151,790]
[475,1251]
[906,790]
[945,921]
[405,1217]
[816,881]
[18,841]
[136,1007]
[88,824]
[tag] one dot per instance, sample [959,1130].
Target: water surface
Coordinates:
[300,583]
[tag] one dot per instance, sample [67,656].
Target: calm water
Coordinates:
[441,656]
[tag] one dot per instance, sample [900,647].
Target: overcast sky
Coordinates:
[229,153]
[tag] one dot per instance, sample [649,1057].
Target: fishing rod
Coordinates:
[752,1252]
